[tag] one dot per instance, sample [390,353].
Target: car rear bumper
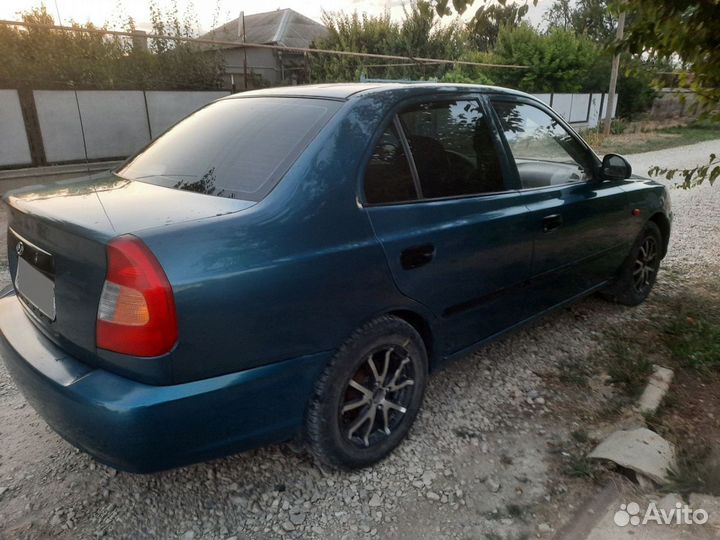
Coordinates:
[143,428]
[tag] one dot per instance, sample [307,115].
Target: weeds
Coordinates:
[628,367]
[692,473]
[579,466]
[574,373]
[693,337]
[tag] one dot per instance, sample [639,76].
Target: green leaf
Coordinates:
[714,174]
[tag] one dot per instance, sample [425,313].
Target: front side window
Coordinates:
[237,148]
[388,178]
[453,148]
[545,152]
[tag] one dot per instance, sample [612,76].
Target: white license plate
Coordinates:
[36,288]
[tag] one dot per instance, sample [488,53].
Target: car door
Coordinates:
[455,237]
[580,223]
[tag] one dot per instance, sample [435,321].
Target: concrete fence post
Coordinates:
[32,126]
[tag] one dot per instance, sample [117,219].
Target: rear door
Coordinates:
[454,233]
[579,223]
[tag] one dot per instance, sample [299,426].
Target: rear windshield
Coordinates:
[237,148]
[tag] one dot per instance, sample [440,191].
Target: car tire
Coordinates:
[368,396]
[638,272]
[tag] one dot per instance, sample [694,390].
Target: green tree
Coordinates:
[560,15]
[685,32]
[419,34]
[589,17]
[485,25]
[45,58]
[559,61]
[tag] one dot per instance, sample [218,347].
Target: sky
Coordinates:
[210,12]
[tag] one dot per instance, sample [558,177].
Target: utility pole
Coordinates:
[614,77]
[241,31]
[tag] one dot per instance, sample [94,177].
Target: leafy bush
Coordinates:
[558,61]
[44,58]
[420,34]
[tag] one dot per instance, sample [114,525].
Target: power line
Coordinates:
[236,44]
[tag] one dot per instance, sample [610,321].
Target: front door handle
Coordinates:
[417,256]
[552,222]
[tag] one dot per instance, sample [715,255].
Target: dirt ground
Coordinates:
[497,451]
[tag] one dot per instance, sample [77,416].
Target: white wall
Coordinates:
[579,107]
[545,98]
[14,147]
[115,123]
[582,110]
[59,125]
[167,108]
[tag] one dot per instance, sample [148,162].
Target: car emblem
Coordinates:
[19,248]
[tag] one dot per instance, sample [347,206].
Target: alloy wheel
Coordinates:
[645,264]
[377,396]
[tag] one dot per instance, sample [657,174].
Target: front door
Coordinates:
[456,238]
[580,223]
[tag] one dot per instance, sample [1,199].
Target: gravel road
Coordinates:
[481,462]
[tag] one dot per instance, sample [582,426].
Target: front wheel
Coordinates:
[368,396]
[639,270]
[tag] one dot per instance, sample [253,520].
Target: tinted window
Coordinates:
[388,177]
[453,148]
[237,148]
[545,152]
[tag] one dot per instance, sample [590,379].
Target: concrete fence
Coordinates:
[42,127]
[580,110]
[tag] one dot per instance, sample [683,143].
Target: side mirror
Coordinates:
[615,167]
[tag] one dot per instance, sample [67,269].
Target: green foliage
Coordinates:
[418,35]
[45,58]
[485,26]
[591,18]
[691,177]
[685,32]
[558,61]
[679,29]
[442,7]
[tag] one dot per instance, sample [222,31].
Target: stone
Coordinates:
[657,387]
[640,450]
[375,501]
[493,485]
[297,518]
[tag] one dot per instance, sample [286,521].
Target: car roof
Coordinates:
[344,91]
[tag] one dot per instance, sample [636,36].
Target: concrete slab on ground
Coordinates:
[640,450]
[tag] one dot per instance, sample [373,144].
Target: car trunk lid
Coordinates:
[57,238]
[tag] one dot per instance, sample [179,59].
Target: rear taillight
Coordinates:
[136,315]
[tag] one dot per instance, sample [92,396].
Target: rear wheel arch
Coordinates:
[421,325]
[663,224]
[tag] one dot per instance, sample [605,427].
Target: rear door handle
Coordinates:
[417,256]
[552,222]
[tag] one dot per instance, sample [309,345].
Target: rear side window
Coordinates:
[453,148]
[237,148]
[388,178]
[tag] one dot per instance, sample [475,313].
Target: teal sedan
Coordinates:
[293,263]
